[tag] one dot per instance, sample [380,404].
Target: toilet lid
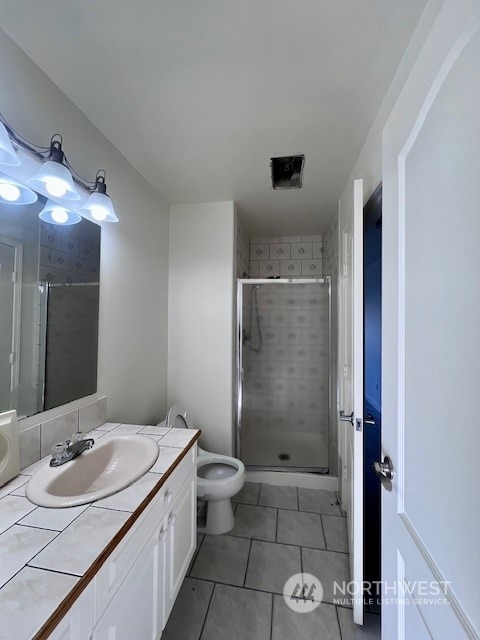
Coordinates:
[177,417]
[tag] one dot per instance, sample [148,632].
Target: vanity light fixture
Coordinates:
[14,192]
[55,213]
[99,206]
[7,152]
[53,178]
[56,179]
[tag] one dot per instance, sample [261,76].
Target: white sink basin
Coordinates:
[113,463]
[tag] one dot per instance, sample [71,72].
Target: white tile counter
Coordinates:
[44,552]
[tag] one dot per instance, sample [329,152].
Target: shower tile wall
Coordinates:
[69,255]
[242,266]
[286,257]
[286,384]
[330,261]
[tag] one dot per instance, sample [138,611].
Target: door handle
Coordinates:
[384,470]
[346,418]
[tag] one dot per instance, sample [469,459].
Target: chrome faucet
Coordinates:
[63,452]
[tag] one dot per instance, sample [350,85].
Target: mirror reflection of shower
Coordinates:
[249,338]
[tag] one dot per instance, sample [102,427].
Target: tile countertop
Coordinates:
[37,566]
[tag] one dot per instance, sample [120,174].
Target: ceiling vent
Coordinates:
[287,172]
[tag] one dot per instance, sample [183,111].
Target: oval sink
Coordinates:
[113,463]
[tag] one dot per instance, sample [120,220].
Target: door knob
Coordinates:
[384,470]
[346,417]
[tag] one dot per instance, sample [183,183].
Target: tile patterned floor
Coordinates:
[234,587]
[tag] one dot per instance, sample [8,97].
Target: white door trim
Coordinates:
[16,316]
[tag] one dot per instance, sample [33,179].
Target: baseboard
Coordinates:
[287,479]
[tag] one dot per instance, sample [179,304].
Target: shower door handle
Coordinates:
[346,418]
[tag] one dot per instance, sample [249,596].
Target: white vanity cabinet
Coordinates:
[133,593]
[180,540]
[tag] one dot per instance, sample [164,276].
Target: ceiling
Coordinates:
[199,94]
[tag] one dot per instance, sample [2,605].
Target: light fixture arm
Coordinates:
[55,153]
[58,181]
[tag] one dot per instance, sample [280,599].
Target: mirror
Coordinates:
[49,295]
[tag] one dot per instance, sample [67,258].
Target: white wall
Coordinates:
[134,264]
[369,163]
[200,315]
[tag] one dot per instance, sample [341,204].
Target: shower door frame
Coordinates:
[239,368]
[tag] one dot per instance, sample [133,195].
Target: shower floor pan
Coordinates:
[284,450]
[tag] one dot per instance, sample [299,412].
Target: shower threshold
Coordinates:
[323,471]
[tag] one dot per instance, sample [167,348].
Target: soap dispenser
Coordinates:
[9,447]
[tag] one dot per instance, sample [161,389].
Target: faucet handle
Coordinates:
[77,436]
[58,450]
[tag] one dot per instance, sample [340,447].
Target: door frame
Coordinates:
[238,395]
[16,316]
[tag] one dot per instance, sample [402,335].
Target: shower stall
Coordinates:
[283,374]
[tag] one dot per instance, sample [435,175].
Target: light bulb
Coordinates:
[9,192]
[99,213]
[59,215]
[55,186]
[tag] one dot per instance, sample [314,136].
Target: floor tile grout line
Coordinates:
[207,611]
[298,499]
[288,544]
[338,622]
[271,617]
[320,513]
[239,586]
[323,532]
[276,525]
[248,561]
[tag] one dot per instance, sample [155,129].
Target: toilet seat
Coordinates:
[177,417]
[205,459]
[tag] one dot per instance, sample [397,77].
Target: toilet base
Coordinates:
[220,518]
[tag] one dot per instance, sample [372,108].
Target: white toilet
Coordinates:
[219,478]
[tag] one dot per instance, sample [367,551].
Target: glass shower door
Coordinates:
[284,385]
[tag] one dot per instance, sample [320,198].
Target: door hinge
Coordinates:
[12,358]
[345,270]
[14,277]
[345,372]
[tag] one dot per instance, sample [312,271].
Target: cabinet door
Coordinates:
[132,612]
[77,623]
[181,533]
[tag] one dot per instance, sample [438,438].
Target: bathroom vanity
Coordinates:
[126,587]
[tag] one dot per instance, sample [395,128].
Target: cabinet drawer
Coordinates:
[116,568]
